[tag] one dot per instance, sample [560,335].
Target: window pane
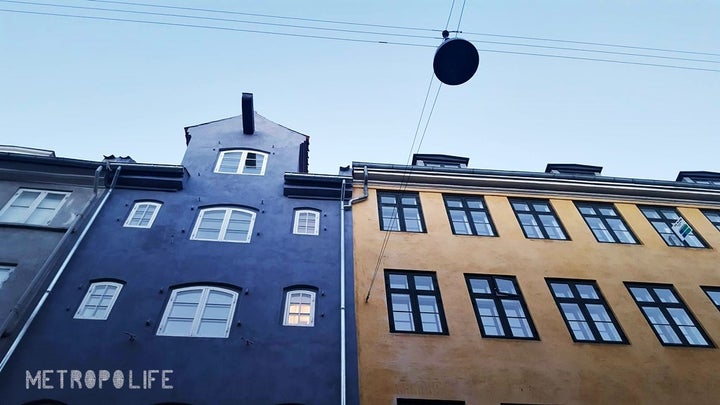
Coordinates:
[453,203]
[577,322]
[212,328]
[641,294]
[182,310]
[398,281]
[390,219]
[409,201]
[587,210]
[424,283]
[665,295]
[230,162]
[412,220]
[541,207]
[475,204]
[714,296]
[480,286]
[561,290]
[253,163]
[505,286]
[460,223]
[489,317]
[482,223]
[178,327]
[401,302]
[519,326]
[587,291]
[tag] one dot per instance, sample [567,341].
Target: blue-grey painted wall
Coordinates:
[262,361]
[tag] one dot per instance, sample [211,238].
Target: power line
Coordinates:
[357,40]
[213,19]
[215,28]
[404,27]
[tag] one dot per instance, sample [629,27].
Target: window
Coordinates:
[663,219]
[142,215]
[669,317]
[714,217]
[406,401]
[224,225]
[307,222]
[586,314]
[199,311]
[537,219]
[468,216]
[605,223]
[5,272]
[98,301]
[714,294]
[400,212]
[241,162]
[414,303]
[299,308]
[32,207]
[499,307]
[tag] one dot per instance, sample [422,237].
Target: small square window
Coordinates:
[670,318]
[33,207]
[307,222]
[142,215]
[671,226]
[400,212]
[537,219]
[414,303]
[299,308]
[98,301]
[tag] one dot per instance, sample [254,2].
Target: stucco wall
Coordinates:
[465,366]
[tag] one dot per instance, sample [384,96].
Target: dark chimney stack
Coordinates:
[248,114]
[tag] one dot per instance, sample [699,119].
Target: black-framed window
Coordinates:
[714,294]
[670,318]
[414,303]
[499,307]
[400,212]
[469,215]
[585,311]
[713,216]
[664,218]
[538,219]
[605,223]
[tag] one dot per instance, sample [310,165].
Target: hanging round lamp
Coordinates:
[456,60]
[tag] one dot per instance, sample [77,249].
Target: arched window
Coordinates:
[199,311]
[299,308]
[307,222]
[240,161]
[224,224]
[98,301]
[143,214]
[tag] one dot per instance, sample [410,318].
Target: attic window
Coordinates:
[572,168]
[429,160]
[711,178]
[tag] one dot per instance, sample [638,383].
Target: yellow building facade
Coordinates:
[565,287]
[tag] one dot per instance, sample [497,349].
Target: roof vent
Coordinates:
[572,168]
[248,114]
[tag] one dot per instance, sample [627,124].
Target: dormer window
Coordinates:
[238,161]
[711,178]
[431,160]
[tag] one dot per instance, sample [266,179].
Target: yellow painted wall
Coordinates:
[553,370]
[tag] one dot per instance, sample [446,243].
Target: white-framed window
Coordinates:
[299,308]
[5,271]
[240,161]
[98,301]
[143,214]
[199,311]
[307,222]
[33,207]
[224,224]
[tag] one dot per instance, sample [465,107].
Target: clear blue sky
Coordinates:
[85,87]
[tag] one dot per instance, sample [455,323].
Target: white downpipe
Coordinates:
[50,287]
[343,207]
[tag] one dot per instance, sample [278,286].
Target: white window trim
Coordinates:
[199,311]
[137,205]
[241,166]
[10,270]
[87,298]
[286,312]
[34,205]
[224,226]
[296,224]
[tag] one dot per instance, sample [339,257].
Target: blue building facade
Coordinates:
[214,282]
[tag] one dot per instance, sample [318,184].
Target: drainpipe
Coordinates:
[50,287]
[343,207]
